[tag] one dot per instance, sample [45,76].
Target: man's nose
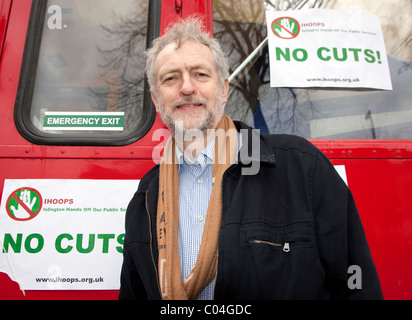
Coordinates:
[187,87]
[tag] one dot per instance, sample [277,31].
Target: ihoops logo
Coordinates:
[286,28]
[24,204]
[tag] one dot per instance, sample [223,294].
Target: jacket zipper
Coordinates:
[151,244]
[286,245]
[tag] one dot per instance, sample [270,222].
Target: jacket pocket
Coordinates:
[285,246]
[276,240]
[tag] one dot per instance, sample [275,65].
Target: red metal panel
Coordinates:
[5,6]
[10,65]
[199,7]
[381,189]
[21,159]
[365,149]
[170,14]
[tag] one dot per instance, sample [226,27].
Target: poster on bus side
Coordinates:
[67,234]
[327,48]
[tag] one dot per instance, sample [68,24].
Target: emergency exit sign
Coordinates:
[95,121]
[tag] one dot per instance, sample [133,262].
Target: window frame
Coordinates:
[28,76]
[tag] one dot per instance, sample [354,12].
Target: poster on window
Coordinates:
[327,48]
[64,234]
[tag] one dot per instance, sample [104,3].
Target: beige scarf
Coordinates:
[204,271]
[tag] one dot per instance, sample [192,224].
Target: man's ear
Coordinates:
[225,91]
[154,99]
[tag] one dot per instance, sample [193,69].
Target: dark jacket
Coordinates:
[289,232]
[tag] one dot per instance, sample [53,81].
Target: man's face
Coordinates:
[188,87]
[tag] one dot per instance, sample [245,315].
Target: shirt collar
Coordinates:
[203,159]
[206,156]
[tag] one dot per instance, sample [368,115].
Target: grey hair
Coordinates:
[189,29]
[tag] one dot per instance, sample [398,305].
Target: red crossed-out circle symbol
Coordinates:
[286,28]
[24,204]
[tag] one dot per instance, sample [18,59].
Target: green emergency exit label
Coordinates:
[96,121]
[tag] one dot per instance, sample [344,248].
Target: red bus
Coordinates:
[86,56]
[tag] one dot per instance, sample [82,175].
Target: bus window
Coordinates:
[82,80]
[315,113]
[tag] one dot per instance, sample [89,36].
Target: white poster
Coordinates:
[327,48]
[64,234]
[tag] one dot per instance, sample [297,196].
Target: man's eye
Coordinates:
[169,80]
[202,75]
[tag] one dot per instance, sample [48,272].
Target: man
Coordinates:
[201,226]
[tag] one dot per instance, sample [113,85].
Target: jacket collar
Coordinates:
[249,136]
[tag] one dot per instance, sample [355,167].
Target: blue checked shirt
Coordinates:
[195,188]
